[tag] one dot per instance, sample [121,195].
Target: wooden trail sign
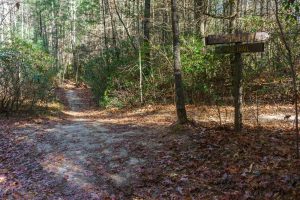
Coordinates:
[244,43]
[236,38]
[241,48]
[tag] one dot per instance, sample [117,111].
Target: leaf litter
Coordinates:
[135,154]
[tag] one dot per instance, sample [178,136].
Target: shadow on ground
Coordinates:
[86,154]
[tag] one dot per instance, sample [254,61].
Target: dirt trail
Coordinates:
[85,154]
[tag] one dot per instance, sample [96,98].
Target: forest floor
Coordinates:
[85,153]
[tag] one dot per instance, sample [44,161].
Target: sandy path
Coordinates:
[92,160]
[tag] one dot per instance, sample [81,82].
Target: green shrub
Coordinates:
[26,76]
[115,82]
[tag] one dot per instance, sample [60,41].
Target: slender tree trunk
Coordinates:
[74,41]
[165,23]
[102,5]
[140,53]
[293,73]
[179,91]
[22,21]
[199,6]
[114,30]
[55,34]
[147,15]
[124,26]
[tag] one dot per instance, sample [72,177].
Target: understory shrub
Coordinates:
[207,76]
[26,76]
[115,81]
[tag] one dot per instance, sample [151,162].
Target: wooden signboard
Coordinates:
[241,48]
[244,43]
[236,38]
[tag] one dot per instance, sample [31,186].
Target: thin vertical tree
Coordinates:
[165,23]
[73,5]
[291,62]
[146,22]
[113,28]
[199,6]
[140,53]
[179,91]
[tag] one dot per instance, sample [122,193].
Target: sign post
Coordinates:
[238,91]
[243,43]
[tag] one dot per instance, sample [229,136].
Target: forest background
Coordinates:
[122,49]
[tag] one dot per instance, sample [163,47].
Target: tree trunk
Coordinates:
[140,54]
[74,51]
[102,6]
[179,91]
[124,26]
[199,6]
[165,24]
[114,29]
[147,15]
[291,63]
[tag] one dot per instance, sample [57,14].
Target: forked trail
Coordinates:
[91,154]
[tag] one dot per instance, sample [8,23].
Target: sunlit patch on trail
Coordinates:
[2,179]
[277,117]
[67,169]
[74,151]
